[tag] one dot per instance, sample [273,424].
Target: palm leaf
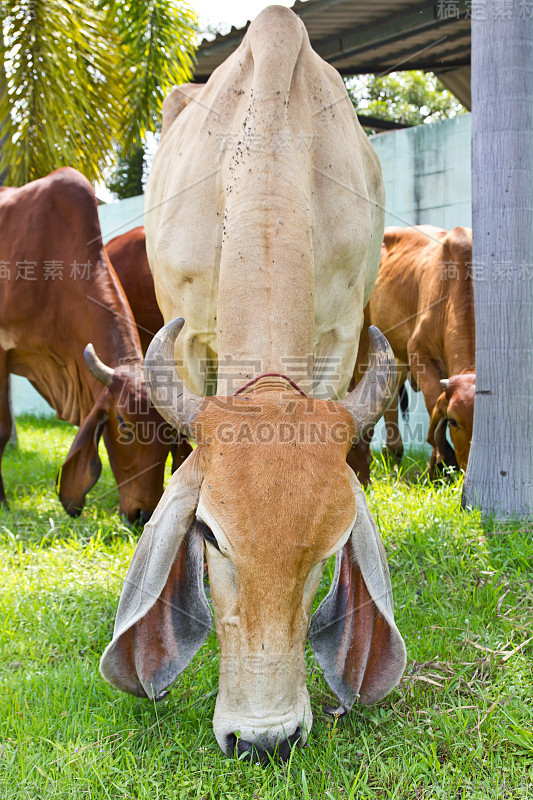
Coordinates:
[62,98]
[158,40]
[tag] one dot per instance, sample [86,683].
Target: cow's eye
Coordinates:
[207,533]
[452,423]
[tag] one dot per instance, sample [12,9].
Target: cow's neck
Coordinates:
[101,316]
[115,336]
[460,341]
[266,312]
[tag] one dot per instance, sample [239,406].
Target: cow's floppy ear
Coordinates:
[163,617]
[82,467]
[352,632]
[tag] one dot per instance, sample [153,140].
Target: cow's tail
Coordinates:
[403,398]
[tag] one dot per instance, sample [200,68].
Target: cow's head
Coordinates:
[136,437]
[269,495]
[455,408]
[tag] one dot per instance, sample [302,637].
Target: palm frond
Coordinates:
[158,41]
[62,99]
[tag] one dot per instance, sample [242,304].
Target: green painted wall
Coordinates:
[427,173]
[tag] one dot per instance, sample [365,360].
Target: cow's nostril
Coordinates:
[136,520]
[231,742]
[286,745]
[251,751]
[261,752]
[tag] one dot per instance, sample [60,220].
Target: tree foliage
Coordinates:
[157,40]
[84,79]
[62,89]
[413,97]
[128,178]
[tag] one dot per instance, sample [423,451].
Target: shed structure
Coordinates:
[360,36]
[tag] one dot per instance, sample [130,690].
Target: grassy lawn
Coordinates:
[459,725]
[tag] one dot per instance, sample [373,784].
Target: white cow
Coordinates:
[264,224]
[265,213]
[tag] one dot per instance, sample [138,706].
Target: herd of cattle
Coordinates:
[269,253]
[422,301]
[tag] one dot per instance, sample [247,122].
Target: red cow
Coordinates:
[58,293]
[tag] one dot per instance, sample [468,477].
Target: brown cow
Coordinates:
[58,292]
[454,407]
[423,301]
[127,253]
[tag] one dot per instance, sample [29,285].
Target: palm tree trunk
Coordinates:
[499,478]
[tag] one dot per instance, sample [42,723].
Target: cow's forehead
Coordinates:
[279,477]
[461,391]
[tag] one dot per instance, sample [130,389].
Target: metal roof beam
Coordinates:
[408,54]
[231,39]
[374,69]
[437,27]
[385,30]
[381,124]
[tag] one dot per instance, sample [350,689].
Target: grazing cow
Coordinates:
[58,292]
[127,253]
[455,408]
[423,300]
[264,226]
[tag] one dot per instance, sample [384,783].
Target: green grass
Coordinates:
[459,725]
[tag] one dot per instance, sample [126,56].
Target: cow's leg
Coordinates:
[359,455]
[425,373]
[393,441]
[13,439]
[6,417]
[426,377]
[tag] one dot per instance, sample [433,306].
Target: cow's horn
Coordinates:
[96,367]
[444,383]
[169,394]
[372,395]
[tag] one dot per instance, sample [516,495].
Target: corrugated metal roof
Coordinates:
[358,36]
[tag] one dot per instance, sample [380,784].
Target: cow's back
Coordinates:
[424,292]
[265,208]
[127,254]
[407,284]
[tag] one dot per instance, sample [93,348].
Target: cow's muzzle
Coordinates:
[263,749]
[138,518]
